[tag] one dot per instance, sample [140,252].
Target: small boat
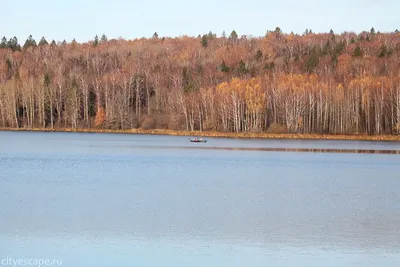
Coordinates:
[200,140]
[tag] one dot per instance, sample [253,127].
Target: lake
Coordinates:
[152,200]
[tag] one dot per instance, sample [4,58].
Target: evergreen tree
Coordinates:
[372,31]
[53,43]
[188,84]
[13,44]
[383,51]
[339,47]
[30,42]
[103,38]
[64,43]
[269,66]
[357,52]
[223,67]
[96,40]
[259,54]
[16,44]
[73,43]
[46,80]
[312,61]
[9,64]
[334,59]
[204,41]
[155,35]
[278,30]
[242,70]
[223,34]
[233,36]
[211,35]
[396,31]
[3,43]
[326,48]
[43,41]
[332,33]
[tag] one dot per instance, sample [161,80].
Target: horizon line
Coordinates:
[69,40]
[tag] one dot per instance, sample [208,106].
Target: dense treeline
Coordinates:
[310,83]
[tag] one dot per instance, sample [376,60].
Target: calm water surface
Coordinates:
[138,200]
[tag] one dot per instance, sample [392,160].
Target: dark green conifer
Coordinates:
[43,41]
[357,52]
[204,40]
[96,40]
[30,42]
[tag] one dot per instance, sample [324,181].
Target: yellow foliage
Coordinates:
[396,128]
[250,91]
[100,117]
[290,37]
[340,92]
[294,82]
[254,95]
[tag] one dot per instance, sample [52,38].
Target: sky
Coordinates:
[130,19]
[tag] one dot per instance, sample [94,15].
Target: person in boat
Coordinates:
[197,140]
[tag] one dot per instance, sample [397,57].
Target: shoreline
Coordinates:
[354,137]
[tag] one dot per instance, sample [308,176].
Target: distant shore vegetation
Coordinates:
[280,84]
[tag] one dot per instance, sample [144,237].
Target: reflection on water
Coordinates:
[270,149]
[118,200]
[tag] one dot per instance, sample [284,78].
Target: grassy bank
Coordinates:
[219,134]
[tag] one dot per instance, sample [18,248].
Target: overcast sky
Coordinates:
[83,19]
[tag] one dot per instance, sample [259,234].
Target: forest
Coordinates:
[310,83]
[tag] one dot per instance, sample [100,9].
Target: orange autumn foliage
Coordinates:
[100,117]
